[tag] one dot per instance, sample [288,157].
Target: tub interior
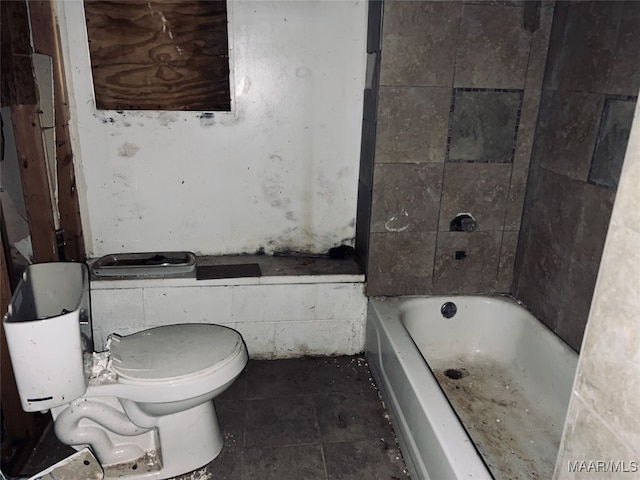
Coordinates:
[507,379]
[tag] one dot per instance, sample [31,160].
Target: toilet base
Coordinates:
[188,441]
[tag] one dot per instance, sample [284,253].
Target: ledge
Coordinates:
[274,271]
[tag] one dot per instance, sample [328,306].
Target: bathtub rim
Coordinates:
[463,459]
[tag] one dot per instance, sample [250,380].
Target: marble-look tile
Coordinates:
[596,205]
[609,379]
[624,77]
[612,142]
[539,49]
[507,260]
[412,124]
[578,278]
[516,197]
[401,263]
[406,197]
[589,438]
[527,126]
[538,279]
[567,131]
[476,272]
[483,126]
[477,188]
[414,31]
[566,223]
[553,208]
[493,47]
[373,459]
[573,313]
[583,45]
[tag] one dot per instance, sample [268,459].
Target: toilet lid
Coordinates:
[173,351]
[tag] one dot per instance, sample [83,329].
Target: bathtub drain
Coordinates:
[456,373]
[448,309]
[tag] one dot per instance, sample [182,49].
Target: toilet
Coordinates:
[144,405]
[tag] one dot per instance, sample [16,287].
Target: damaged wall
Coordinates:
[279,171]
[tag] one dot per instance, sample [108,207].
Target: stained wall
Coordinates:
[279,171]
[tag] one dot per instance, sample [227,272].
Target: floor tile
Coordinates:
[280,421]
[369,459]
[350,417]
[238,389]
[232,419]
[343,374]
[284,463]
[277,378]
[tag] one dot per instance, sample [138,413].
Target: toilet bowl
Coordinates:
[144,405]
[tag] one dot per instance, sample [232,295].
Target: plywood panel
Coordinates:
[159,55]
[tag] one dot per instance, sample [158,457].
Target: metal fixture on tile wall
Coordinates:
[463,222]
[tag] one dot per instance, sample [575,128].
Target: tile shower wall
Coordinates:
[602,422]
[587,103]
[459,91]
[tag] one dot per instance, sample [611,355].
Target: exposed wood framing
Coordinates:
[20,94]
[35,184]
[46,41]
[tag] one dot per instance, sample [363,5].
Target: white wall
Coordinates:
[280,171]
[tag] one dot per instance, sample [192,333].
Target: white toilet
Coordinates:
[143,405]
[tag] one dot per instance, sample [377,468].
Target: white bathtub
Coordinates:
[508,382]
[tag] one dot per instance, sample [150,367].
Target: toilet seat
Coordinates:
[171,363]
[173,352]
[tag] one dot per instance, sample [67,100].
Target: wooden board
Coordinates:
[159,55]
[45,41]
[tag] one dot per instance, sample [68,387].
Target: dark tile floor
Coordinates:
[298,419]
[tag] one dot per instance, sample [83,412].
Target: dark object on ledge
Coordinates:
[238,270]
[337,253]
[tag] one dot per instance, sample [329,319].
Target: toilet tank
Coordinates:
[48,327]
